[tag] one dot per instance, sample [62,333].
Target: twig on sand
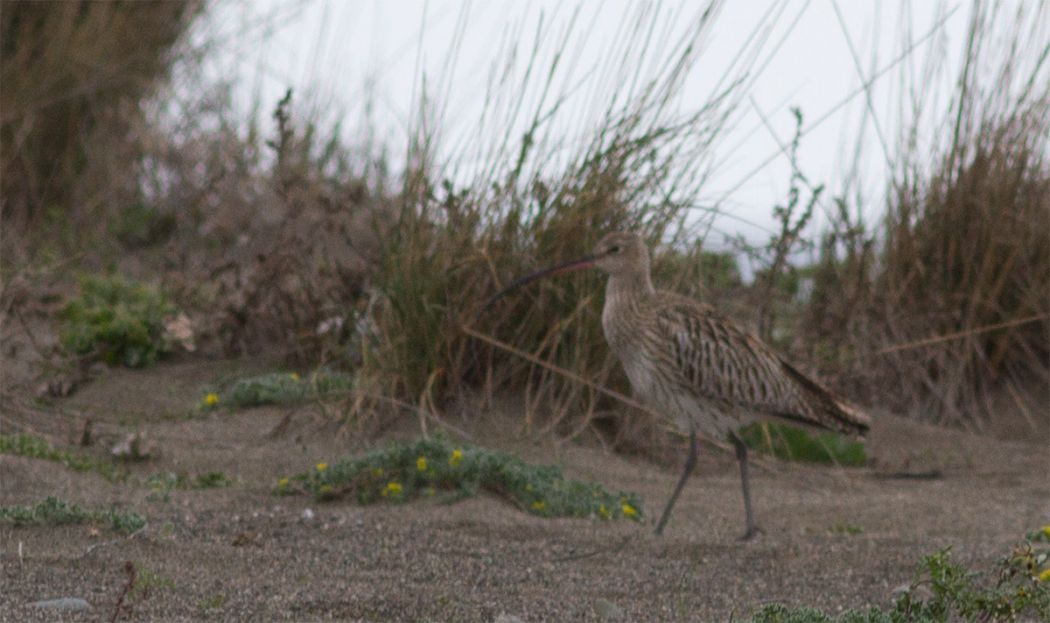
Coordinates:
[129,584]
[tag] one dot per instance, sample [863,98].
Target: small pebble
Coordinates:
[607,610]
[308,515]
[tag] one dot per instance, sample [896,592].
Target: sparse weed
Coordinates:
[162,484]
[1018,589]
[429,467]
[212,480]
[841,527]
[24,444]
[147,581]
[53,511]
[213,602]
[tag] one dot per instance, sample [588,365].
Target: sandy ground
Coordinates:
[242,554]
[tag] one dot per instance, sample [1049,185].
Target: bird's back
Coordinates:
[686,358]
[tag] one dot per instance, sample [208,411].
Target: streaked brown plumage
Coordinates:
[698,367]
[686,359]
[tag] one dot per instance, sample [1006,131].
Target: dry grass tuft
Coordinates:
[948,303]
[451,245]
[74,74]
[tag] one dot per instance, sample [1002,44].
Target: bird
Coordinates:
[697,367]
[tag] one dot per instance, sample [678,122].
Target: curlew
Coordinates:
[697,367]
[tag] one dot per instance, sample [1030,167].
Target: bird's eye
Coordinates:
[614,249]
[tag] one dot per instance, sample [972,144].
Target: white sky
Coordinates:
[339,50]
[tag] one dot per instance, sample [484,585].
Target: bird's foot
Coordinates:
[752,532]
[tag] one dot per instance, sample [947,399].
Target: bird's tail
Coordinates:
[832,412]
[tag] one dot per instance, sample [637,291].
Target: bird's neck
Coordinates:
[629,285]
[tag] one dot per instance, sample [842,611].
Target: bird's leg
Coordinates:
[741,457]
[690,463]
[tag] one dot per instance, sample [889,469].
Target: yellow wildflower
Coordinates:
[392,488]
[604,512]
[282,483]
[456,458]
[628,510]
[1045,575]
[421,463]
[211,399]
[294,376]
[1045,530]
[322,466]
[538,505]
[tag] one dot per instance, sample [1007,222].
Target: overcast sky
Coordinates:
[340,50]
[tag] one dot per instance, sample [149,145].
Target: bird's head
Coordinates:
[620,253]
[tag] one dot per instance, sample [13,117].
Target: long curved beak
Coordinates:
[586,261]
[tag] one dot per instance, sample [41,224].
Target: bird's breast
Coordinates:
[624,331]
[616,324]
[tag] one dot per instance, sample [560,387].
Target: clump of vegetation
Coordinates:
[24,444]
[211,480]
[162,484]
[52,511]
[779,613]
[794,444]
[277,388]
[147,580]
[400,472]
[1019,588]
[945,300]
[117,320]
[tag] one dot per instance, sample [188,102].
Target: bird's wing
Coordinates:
[720,360]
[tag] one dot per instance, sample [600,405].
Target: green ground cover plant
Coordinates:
[53,511]
[1017,589]
[119,321]
[436,466]
[24,444]
[162,484]
[276,388]
[794,444]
